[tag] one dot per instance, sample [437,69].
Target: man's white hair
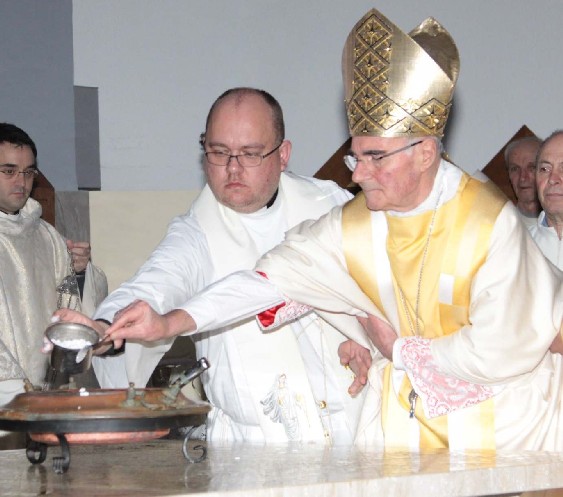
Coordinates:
[516,143]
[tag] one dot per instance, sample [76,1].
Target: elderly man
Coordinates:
[520,160]
[34,261]
[263,387]
[548,229]
[453,292]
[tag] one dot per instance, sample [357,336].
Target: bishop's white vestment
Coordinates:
[489,306]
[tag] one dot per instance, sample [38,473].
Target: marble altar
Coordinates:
[158,468]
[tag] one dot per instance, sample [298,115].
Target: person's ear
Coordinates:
[285,154]
[429,153]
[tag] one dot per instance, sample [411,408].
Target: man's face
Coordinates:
[14,191]
[244,127]
[549,177]
[392,183]
[522,171]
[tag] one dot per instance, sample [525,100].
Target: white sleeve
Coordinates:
[239,296]
[178,268]
[310,268]
[516,305]
[307,268]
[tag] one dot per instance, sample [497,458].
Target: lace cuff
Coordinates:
[439,394]
[281,314]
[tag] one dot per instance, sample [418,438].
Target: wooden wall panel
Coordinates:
[44,193]
[496,171]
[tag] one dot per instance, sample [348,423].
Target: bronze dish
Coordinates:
[100,416]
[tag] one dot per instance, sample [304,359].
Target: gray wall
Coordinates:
[36,74]
[87,137]
[159,64]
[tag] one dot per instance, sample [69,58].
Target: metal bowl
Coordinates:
[69,340]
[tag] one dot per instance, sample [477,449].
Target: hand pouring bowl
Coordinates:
[72,346]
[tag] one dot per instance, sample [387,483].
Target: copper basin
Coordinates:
[99,416]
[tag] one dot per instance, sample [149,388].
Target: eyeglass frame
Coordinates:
[371,158]
[231,156]
[13,173]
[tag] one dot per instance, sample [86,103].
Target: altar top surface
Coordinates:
[159,468]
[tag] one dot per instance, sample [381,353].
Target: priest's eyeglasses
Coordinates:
[245,160]
[12,173]
[351,161]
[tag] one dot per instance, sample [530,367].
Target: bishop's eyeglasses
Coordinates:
[351,161]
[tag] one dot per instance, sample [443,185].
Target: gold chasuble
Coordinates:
[451,244]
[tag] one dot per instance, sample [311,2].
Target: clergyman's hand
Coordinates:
[557,345]
[139,321]
[358,359]
[80,252]
[70,316]
[381,334]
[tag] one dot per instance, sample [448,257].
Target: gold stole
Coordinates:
[458,247]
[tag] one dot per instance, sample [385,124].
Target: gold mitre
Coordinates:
[397,84]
